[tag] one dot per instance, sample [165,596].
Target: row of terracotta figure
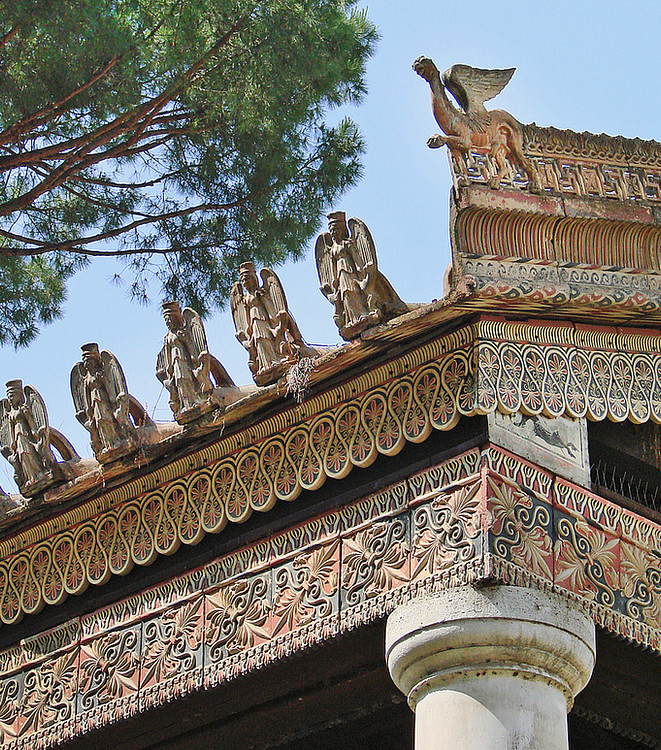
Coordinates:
[198,384]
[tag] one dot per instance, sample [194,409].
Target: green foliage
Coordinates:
[185,136]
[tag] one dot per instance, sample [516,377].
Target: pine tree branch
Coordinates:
[9,35]
[103,204]
[47,114]
[64,149]
[77,246]
[101,182]
[136,121]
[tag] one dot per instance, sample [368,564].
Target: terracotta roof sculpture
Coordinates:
[25,439]
[264,325]
[102,402]
[185,366]
[350,278]
[493,132]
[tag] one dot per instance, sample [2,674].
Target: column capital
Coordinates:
[466,634]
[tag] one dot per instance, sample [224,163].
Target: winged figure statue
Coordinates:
[25,439]
[350,278]
[264,325]
[473,127]
[103,402]
[185,366]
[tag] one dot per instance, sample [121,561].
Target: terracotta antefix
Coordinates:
[474,128]
[350,279]
[264,325]
[25,439]
[102,402]
[186,368]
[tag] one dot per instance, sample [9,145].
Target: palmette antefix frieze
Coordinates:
[550,141]
[553,370]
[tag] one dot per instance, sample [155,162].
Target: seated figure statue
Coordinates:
[186,368]
[264,325]
[350,278]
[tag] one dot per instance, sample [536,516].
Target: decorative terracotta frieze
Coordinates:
[591,293]
[248,609]
[570,164]
[548,532]
[479,516]
[537,369]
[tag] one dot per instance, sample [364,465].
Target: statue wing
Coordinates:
[5,428]
[116,385]
[62,445]
[196,333]
[221,377]
[162,364]
[240,313]
[471,87]
[37,407]
[324,263]
[78,392]
[365,255]
[276,300]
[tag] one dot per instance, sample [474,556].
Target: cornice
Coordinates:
[537,368]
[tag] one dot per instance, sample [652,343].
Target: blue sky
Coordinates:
[582,65]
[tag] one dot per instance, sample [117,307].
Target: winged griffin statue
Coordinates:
[186,368]
[25,439]
[474,128]
[264,325]
[103,403]
[350,278]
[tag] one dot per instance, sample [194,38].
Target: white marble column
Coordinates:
[493,668]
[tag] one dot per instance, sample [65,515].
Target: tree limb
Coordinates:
[9,35]
[137,120]
[75,246]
